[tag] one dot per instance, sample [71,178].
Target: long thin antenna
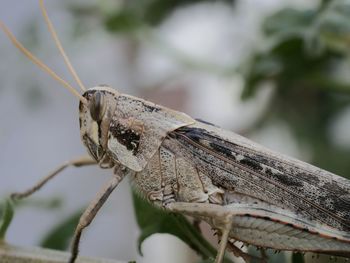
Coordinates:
[39,63]
[59,46]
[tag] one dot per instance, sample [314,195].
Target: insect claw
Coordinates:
[245,256]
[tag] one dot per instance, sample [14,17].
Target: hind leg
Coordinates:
[221,216]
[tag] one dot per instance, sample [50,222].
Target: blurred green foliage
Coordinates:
[297,258]
[7,208]
[129,16]
[6,215]
[306,50]
[136,14]
[60,236]
[49,203]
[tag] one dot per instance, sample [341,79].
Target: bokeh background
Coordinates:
[274,71]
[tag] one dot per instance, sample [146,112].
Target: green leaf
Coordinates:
[297,258]
[123,21]
[289,22]
[132,15]
[40,203]
[152,220]
[334,27]
[59,237]
[158,10]
[273,256]
[6,217]
[209,260]
[259,68]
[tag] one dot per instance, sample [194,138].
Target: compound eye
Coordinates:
[97,106]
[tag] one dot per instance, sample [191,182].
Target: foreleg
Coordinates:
[81,161]
[93,208]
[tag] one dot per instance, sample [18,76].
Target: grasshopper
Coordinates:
[243,190]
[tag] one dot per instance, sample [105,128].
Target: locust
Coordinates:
[245,191]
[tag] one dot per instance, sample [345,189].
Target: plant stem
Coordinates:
[10,253]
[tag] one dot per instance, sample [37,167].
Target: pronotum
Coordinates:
[243,190]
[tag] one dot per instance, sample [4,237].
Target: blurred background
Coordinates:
[274,71]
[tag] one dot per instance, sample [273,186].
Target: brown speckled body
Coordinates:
[195,168]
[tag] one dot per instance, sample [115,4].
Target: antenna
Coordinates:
[59,45]
[39,63]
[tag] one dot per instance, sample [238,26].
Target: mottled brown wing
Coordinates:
[237,164]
